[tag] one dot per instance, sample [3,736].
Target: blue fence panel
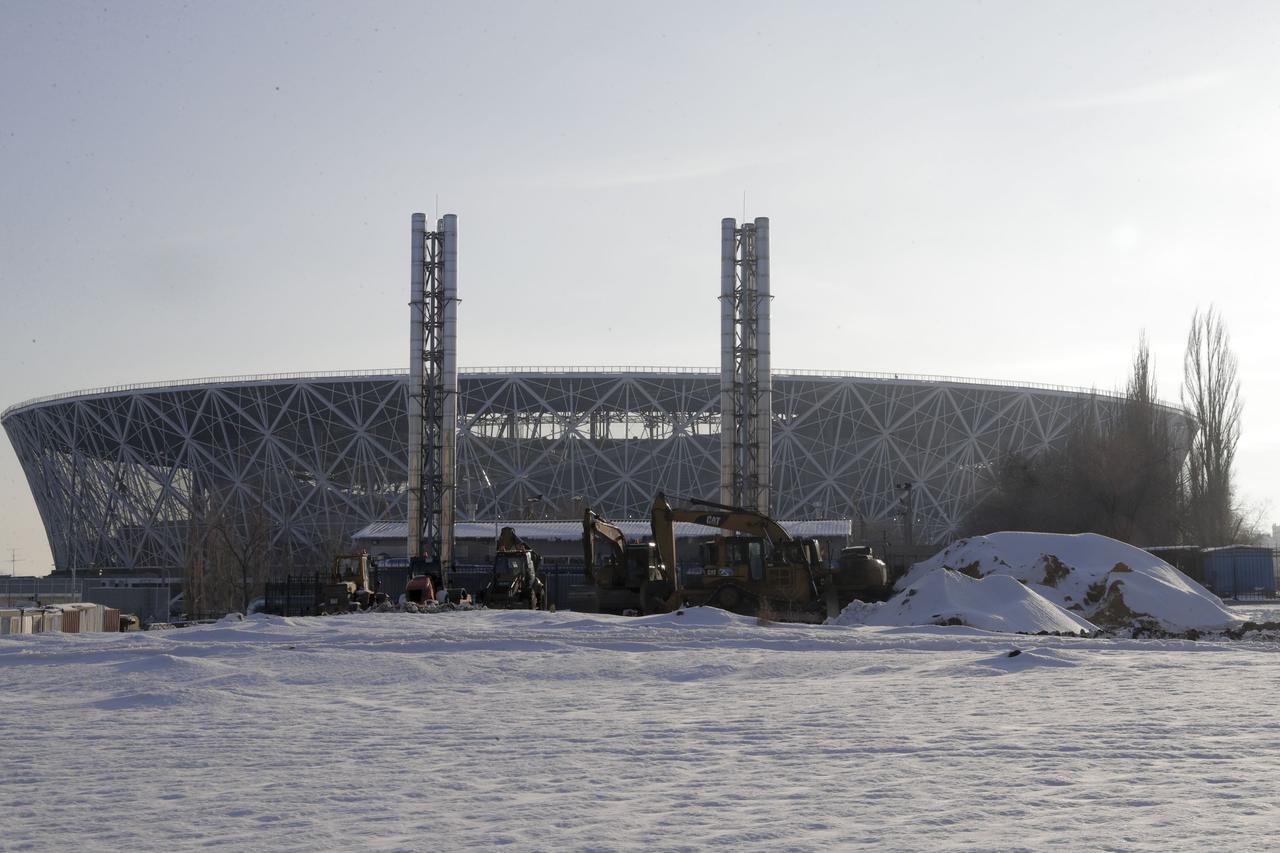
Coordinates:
[1241,571]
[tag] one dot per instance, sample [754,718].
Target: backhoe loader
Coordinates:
[515,581]
[348,586]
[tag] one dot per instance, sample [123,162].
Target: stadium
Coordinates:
[127,477]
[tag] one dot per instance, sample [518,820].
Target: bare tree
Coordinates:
[227,555]
[247,545]
[1211,397]
[1141,470]
[1119,476]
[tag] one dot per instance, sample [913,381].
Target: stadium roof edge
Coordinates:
[251,379]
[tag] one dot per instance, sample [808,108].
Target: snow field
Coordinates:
[698,731]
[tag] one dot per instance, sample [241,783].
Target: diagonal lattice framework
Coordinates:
[124,477]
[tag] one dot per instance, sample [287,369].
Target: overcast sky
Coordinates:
[996,190]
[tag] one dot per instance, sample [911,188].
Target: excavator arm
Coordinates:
[662,523]
[732,518]
[510,541]
[593,526]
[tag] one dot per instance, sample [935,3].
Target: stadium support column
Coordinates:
[746,383]
[433,390]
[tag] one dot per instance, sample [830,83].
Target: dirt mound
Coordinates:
[1111,584]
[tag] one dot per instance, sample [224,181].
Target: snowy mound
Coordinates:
[945,597]
[1110,583]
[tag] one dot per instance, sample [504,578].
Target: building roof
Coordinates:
[570,530]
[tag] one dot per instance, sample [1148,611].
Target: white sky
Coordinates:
[1003,190]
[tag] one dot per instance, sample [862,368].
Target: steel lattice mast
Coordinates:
[746,383]
[433,390]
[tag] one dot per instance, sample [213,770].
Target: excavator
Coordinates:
[515,582]
[759,568]
[633,579]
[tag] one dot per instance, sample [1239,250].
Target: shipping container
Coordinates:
[110,619]
[90,616]
[70,620]
[18,624]
[1237,571]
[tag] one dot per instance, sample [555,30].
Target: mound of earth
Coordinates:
[1111,584]
[946,597]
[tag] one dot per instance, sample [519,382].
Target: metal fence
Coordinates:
[297,595]
[293,596]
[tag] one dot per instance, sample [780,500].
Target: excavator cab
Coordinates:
[741,557]
[641,563]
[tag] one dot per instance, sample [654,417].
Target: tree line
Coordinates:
[1137,471]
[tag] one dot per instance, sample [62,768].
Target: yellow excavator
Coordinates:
[632,579]
[760,567]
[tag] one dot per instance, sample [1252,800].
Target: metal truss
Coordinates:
[745,376]
[129,477]
[433,389]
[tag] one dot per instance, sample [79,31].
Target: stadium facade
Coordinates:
[132,476]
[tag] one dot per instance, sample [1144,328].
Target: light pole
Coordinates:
[908,532]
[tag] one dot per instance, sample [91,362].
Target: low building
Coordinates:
[560,542]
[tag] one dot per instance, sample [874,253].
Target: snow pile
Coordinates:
[945,597]
[1112,584]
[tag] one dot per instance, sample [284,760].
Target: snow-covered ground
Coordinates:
[699,730]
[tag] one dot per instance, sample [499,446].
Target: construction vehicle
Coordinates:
[348,586]
[515,582]
[633,579]
[862,575]
[758,569]
[426,587]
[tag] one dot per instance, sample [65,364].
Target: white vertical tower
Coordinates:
[433,389]
[746,383]
[730,440]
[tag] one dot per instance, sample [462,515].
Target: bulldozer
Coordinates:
[759,568]
[633,579]
[515,582]
[348,586]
